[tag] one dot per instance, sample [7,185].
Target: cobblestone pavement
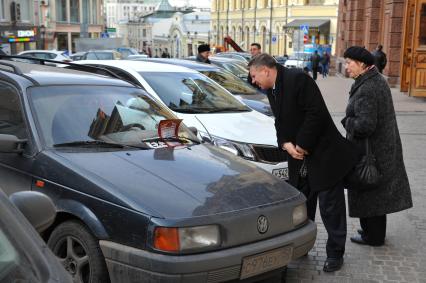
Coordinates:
[403,257]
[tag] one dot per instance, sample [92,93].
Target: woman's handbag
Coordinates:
[365,175]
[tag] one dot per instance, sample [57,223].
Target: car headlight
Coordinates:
[299,214]
[186,238]
[240,149]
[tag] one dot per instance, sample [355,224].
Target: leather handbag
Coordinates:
[365,175]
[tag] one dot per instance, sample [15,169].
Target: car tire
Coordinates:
[79,252]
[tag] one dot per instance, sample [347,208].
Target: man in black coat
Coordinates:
[319,156]
[315,60]
[380,59]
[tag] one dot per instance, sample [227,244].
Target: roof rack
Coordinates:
[73,66]
[17,71]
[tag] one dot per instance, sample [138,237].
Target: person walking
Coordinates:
[315,60]
[325,62]
[380,59]
[203,53]
[319,156]
[370,115]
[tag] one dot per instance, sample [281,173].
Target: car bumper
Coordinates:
[279,169]
[127,264]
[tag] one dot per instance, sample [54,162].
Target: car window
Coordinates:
[11,119]
[122,74]
[236,69]
[14,267]
[191,92]
[100,56]
[85,113]
[230,82]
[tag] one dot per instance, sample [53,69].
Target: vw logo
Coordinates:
[262,224]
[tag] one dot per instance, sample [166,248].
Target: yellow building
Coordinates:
[278,25]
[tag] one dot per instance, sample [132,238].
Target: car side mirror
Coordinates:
[11,144]
[193,130]
[36,207]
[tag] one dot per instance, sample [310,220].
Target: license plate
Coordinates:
[281,173]
[264,262]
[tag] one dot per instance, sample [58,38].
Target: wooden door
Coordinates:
[418,69]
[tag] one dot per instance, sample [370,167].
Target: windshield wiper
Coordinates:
[229,109]
[97,143]
[191,110]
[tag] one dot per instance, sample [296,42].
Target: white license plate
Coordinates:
[281,173]
[264,262]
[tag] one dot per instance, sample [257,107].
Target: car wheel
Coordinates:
[79,252]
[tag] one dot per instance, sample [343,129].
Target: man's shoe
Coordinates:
[332,264]
[359,240]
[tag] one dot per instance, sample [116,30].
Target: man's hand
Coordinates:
[292,150]
[301,150]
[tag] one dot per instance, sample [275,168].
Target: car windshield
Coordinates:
[235,69]
[300,56]
[100,56]
[99,116]
[230,82]
[192,93]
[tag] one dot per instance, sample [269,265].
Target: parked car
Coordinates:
[126,51]
[220,118]
[77,56]
[240,56]
[46,54]
[24,256]
[101,55]
[138,197]
[248,94]
[301,60]
[281,59]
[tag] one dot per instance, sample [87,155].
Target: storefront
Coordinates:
[14,39]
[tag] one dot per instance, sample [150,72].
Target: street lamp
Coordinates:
[43,36]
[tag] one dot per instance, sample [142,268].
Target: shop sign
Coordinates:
[26,33]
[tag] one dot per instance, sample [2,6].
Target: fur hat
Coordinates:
[359,54]
[203,48]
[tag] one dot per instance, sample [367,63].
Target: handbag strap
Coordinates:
[367,147]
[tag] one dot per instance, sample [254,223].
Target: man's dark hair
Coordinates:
[380,47]
[263,60]
[256,44]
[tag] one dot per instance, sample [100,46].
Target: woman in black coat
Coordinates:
[370,114]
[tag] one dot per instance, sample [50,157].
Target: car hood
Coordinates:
[247,127]
[176,183]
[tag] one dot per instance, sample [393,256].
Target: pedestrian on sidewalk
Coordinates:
[370,115]
[319,157]
[325,62]
[315,61]
[380,59]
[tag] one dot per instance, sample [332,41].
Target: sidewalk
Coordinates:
[403,257]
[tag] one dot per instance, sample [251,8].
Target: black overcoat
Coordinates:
[301,117]
[370,113]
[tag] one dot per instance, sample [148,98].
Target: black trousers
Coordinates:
[333,213]
[314,73]
[374,229]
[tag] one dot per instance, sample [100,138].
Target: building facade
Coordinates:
[369,23]
[19,29]
[123,11]
[66,20]
[181,35]
[280,26]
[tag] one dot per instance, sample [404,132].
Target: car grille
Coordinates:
[269,154]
